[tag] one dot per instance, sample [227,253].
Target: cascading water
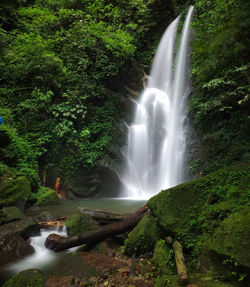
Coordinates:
[156,138]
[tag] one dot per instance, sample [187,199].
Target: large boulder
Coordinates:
[13,247]
[28,278]
[99,182]
[209,209]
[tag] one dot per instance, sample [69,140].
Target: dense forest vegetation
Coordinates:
[64,68]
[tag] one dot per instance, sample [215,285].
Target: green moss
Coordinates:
[233,236]
[14,190]
[47,196]
[9,214]
[198,206]
[27,278]
[163,258]
[143,237]
[79,223]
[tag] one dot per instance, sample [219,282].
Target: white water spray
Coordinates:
[157,137]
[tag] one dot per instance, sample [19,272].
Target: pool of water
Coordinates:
[45,259]
[68,207]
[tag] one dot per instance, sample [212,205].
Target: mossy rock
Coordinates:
[143,237]
[15,191]
[27,278]
[164,258]
[47,196]
[79,223]
[199,206]
[25,227]
[11,213]
[232,238]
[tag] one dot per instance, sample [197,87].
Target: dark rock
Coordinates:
[27,278]
[99,182]
[13,247]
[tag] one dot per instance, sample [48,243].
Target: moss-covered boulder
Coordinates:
[27,278]
[143,237]
[15,191]
[209,216]
[47,196]
[199,206]
[78,223]
[232,238]
[11,213]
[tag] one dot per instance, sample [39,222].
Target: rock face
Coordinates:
[100,182]
[78,223]
[13,247]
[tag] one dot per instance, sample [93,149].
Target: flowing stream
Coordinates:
[155,157]
[45,259]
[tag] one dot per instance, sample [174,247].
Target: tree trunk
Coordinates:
[103,217]
[58,243]
[180,264]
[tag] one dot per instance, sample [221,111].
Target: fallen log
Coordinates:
[103,216]
[59,243]
[180,264]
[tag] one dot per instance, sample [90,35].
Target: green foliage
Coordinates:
[221,78]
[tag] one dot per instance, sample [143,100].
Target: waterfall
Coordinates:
[156,145]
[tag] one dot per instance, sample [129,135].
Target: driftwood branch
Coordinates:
[58,243]
[180,263]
